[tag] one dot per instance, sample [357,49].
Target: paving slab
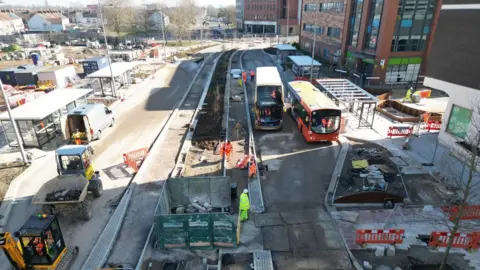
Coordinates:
[302,237]
[275,238]
[328,236]
[306,216]
[268,219]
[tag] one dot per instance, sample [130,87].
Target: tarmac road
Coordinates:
[294,188]
[138,121]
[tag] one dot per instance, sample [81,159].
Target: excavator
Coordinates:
[40,245]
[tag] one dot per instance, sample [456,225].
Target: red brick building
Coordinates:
[269,16]
[387,41]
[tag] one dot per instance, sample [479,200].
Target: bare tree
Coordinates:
[183,18]
[212,11]
[116,12]
[228,13]
[466,180]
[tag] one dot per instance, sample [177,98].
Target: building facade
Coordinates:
[453,68]
[388,41]
[239,13]
[270,16]
[48,22]
[327,18]
[10,24]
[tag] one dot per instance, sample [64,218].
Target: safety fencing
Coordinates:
[380,237]
[399,131]
[460,240]
[469,212]
[432,125]
[134,159]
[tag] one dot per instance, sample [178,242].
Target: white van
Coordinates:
[87,122]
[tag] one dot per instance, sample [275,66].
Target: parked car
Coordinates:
[236,73]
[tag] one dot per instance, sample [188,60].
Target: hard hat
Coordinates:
[245,191]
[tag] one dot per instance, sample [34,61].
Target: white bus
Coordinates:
[269,99]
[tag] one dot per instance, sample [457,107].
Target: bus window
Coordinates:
[326,121]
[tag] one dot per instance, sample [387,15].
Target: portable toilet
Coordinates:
[35,58]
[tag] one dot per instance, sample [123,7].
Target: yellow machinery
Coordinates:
[40,245]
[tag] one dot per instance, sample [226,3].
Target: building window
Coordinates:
[402,70]
[311,27]
[459,121]
[355,19]
[414,19]
[334,32]
[335,7]
[374,24]
[310,7]
[325,53]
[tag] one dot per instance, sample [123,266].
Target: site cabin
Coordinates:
[318,118]
[87,121]
[269,99]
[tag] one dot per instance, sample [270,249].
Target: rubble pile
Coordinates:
[63,195]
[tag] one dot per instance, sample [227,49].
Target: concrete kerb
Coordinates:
[226,109]
[253,182]
[185,146]
[99,254]
[187,143]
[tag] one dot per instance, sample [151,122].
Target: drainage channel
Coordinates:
[125,234]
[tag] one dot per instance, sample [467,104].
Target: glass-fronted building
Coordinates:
[388,41]
[38,121]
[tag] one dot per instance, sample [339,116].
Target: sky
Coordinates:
[216,3]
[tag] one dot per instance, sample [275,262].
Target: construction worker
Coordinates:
[76,137]
[228,148]
[244,76]
[252,75]
[252,169]
[244,205]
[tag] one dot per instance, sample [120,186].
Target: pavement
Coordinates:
[138,122]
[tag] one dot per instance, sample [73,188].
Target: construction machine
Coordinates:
[40,245]
[67,193]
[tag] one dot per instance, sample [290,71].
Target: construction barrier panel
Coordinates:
[433,125]
[243,162]
[460,240]
[133,159]
[469,212]
[380,236]
[399,131]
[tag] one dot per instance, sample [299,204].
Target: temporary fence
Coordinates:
[399,131]
[433,125]
[134,158]
[460,240]
[379,236]
[469,212]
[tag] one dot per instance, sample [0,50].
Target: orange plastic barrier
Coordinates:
[395,131]
[380,236]
[460,240]
[134,158]
[469,212]
[433,125]
[242,163]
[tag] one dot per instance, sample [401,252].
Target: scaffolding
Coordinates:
[356,99]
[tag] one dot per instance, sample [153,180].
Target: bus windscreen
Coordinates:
[269,95]
[325,121]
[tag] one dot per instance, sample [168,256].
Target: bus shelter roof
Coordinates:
[346,92]
[47,104]
[117,69]
[303,60]
[285,47]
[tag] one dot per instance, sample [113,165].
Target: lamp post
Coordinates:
[112,80]
[314,41]
[163,34]
[287,21]
[15,128]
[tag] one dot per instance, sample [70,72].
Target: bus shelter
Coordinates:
[38,121]
[285,50]
[302,65]
[358,101]
[121,72]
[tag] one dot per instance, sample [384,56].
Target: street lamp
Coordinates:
[315,26]
[287,21]
[112,80]
[15,128]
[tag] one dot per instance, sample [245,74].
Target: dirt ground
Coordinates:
[415,256]
[8,172]
[81,52]
[349,183]
[209,124]
[14,63]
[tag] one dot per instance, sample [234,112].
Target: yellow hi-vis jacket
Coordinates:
[244,202]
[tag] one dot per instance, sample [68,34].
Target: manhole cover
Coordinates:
[117,171]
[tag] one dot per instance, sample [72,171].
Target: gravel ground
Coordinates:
[8,172]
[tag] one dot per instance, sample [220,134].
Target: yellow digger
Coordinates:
[40,245]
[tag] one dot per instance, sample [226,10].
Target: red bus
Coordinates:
[317,116]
